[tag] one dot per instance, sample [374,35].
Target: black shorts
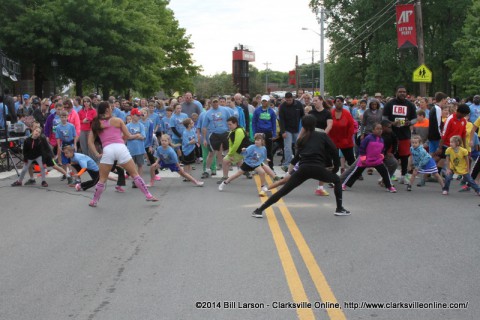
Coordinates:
[246,168]
[189,158]
[217,140]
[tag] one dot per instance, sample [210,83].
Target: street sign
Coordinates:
[422,74]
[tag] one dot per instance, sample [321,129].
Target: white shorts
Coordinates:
[115,151]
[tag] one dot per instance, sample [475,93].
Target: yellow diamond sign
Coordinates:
[422,74]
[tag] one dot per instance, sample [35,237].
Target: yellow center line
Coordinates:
[293,279]
[318,278]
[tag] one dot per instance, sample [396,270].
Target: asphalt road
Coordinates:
[197,253]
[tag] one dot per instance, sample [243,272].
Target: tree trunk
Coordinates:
[79,87]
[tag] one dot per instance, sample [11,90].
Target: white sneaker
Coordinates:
[221,186]
[265,189]
[199,183]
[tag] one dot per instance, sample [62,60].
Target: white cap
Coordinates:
[266,97]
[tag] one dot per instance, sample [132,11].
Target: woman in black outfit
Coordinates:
[315,152]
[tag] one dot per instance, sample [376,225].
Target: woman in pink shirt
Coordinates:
[86,116]
[112,131]
[73,117]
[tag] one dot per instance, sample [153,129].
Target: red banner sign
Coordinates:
[406,28]
[292,79]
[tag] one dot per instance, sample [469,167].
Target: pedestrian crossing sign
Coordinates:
[422,74]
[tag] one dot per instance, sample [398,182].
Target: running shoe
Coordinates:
[92,204]
[321,192]
[16,184]
[265,189]
[119,189]
[158,178]
[151,198]
[205,175]
[30,182]
[222,186]
[44,184]
[392,190]
[63,178]
[394,178]
[409,187]
[344,187]
[465,188]
[199,183]
[257,213]
[78,187]
[342,212]
[445,192]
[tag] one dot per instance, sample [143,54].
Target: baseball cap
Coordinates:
[378,94]
[26,96]
[36,101]
[287,95]
[135,112]
[266,97]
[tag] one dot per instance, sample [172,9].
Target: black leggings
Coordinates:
[90,183]
[349,155]
[304,173]
[357,172]
[476,169]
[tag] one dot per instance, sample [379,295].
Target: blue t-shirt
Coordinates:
[166,125]
[254,156]
[156,121]
[84,161]
[187,136]
[215,120]
[119,114]
[148,132]
[177,122]
[167,156]
[136,146]
[55,122]
[66,132]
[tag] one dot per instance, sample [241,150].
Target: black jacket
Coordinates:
[289,116]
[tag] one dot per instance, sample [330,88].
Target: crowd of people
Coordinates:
[333,140]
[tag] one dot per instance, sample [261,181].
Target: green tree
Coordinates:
[363,39]
[113,44]
[466,69]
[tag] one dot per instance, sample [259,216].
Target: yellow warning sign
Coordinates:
[422,74]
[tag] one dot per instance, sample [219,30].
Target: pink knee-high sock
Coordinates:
[142,186]
[98,191]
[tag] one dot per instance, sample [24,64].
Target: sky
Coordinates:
[270,28]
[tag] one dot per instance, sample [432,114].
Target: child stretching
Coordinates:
[189,142]
[457,162]
[371,156]
[422,161]
[253,158]
[32,151]
[167,158]
[82,163]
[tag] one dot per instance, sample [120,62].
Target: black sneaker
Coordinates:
[257,213]
[248,175]
[409,187]
[63,178]
[205,175]
[44,184]
[221,180]
[342,212]
[16,184]
[30,182]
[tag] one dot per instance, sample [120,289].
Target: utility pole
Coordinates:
[313,83]
[421,47]
[296,73]
[322,59]
[266,76]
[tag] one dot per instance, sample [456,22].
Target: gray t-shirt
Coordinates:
[190,108]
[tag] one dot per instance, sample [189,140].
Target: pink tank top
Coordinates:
[110,134]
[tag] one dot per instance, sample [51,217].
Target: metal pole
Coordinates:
[322,63]
[421,47]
